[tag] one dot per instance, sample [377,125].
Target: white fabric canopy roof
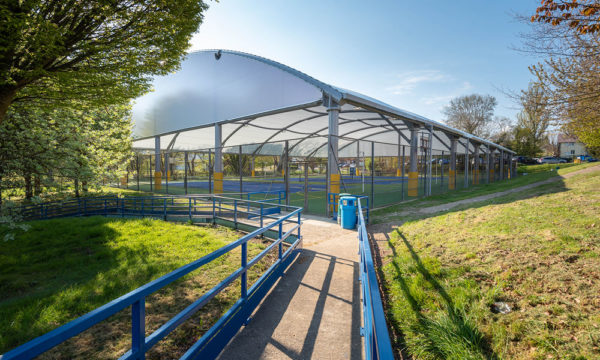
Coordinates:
[258,100]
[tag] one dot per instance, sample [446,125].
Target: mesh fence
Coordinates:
[296,171]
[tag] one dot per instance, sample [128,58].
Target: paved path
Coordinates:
[448,206]
[313,312]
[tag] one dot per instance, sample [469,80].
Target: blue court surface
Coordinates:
[296,183]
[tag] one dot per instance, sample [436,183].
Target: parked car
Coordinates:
[591,159]
[525,160]
[551,160]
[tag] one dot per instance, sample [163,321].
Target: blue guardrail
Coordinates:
[214,340]
[375,331]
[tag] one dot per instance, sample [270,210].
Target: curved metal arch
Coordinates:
[236,130]
[352,142]
[346,121]
[284,129]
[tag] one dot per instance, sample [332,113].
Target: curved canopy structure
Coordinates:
[258,101]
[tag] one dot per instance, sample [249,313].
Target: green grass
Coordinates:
[535,173]
[538,251]
[61,269]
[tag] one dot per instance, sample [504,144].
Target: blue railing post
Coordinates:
[244,281]
[279,238]
[261,215]
[123,207]
[190,207]
[142,207]
[214,217]
[299,222]
[138,328]
[165,209]
[235,214]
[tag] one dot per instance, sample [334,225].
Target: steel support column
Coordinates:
[185,171]
[413,172]
[487,164]
[452,170]
[333,109]
[501,165]
[157,170]
[218,167]
[429,160]
[492,165]
[467,163]
[476,163]
[399,164]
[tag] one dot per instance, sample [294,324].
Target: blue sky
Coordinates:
[416,55]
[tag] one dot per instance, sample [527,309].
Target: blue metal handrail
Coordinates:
[375,331]
[214,340]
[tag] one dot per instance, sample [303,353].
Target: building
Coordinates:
[570,147]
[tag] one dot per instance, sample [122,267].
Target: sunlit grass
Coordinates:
[538,251]
[61,269]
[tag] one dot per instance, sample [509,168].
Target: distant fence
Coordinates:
[375,331]
[197,208]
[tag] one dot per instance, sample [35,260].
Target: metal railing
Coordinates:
[375,331]
[216,208]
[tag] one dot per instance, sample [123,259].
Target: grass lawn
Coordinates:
[61,269]
[535,173]
[537,251]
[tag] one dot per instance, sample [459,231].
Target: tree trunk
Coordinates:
[84,186]
[76,182]
[28,187]
[7,94]
[37,185]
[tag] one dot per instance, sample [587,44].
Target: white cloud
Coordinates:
[410,80]
[443,99]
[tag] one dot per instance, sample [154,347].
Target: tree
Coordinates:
[566,33]
[533,121]
[100,52]
[579,15]
[471,113]
[85,145]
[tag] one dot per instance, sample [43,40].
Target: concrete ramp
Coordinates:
[314,311]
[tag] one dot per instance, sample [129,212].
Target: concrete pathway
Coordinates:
[313,312]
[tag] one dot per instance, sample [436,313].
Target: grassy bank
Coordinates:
[535,173]
[61,269]
[538,252]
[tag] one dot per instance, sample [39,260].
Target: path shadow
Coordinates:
[258,338]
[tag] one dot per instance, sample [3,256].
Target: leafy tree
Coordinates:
[471,113]
[533,121]
[85,146]
[579,15]
[566,33]
[100,52]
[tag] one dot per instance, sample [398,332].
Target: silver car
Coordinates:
[551,160]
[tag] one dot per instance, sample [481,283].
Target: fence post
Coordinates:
[214,215]
[165,209]
[235,214]
[245,272]
[299,222]
[281,242]
[138,328]
[261,215]
[84,206]
[142,207]
[123,207]
[190,208]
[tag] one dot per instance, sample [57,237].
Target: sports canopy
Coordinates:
[258,101]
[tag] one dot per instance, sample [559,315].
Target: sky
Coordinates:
[416,55]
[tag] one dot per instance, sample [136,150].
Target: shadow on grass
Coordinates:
[448,334]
